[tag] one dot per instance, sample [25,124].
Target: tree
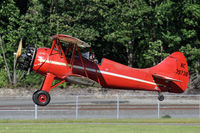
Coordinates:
[136,33]
[9,23]
[190,34]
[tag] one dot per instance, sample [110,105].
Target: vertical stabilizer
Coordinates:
[172,73]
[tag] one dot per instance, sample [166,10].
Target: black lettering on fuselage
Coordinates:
[183,65]
[182,72]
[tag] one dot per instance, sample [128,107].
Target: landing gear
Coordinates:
[41,98]
[160,97]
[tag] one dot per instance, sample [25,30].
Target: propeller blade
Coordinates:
[18,54]
[19,50]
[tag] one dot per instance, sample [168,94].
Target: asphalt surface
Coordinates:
[95,108]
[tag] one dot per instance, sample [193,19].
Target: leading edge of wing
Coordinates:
[70,39]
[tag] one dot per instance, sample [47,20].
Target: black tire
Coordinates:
[34,97]
[41,98]
[161,97]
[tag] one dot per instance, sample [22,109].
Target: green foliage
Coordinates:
[33,28]
[155,52]
[137,33]
[3,78]
[166,116]
[31,81]
[9,23]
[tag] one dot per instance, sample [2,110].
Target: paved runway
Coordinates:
[94,108]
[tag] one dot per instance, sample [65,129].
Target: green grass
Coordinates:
[98,126]
[105,121]
[95,128]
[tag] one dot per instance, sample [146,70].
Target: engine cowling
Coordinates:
[26,60]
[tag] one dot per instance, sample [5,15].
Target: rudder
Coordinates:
[172,73]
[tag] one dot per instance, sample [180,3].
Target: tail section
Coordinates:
[172,74]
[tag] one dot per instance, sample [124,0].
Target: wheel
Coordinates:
[161,97]
[41,98]
[33,97]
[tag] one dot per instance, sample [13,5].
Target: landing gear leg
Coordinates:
[160,96]
[42,97]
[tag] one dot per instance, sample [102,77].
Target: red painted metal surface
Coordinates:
[170,75]
[42,98]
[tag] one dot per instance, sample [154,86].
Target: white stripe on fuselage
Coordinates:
[53,62]
[99,71]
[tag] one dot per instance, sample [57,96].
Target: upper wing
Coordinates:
[70,39]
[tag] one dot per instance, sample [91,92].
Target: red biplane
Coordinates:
[65,62]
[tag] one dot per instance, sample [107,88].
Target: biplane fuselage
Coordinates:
[108,74]
[171,75]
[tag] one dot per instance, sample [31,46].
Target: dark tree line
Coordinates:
[138,33]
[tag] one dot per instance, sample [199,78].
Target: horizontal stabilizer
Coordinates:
[165,78]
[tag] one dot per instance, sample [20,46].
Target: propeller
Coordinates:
[19,52]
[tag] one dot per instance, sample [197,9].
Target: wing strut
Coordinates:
[95,66]
[86,74]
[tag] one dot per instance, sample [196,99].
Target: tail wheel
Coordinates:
[161,97]
[41,98]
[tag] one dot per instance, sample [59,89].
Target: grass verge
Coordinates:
[106,121]
[100,126]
